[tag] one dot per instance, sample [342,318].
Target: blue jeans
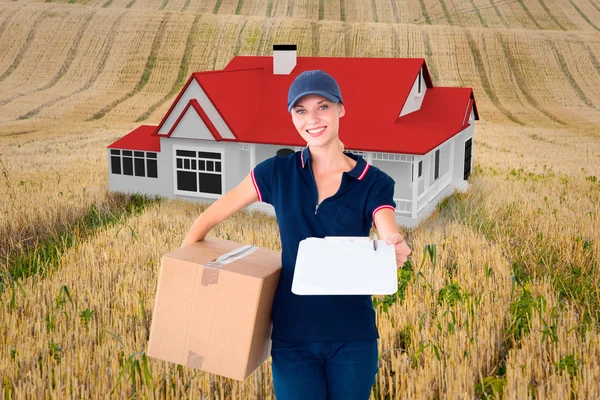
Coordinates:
[333,370]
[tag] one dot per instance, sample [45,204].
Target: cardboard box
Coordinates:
[215,317]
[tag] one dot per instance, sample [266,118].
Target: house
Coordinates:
[225,122]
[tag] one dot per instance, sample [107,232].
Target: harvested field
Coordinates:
[507,306]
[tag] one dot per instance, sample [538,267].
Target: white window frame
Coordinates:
[133,156]
[198,194]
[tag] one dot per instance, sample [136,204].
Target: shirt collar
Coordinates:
[358,172]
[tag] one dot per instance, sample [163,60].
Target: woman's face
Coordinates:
[317,119]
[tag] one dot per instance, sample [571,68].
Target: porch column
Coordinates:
[415,186]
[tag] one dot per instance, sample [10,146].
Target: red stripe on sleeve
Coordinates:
[255,185]
[379,208]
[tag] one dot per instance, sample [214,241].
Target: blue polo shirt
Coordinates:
[288,184]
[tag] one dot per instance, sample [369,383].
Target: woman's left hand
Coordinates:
[402,250]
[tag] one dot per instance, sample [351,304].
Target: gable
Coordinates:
[191,126]
[191,91]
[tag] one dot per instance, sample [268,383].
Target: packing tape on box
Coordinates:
[194,360]
[210,275]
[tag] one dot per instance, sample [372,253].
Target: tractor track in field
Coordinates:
[110,41]
[183,71]
[64,68]
[150,62]
[19,57]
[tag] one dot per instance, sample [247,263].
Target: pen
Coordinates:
[375,242]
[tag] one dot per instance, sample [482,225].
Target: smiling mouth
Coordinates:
[316,131]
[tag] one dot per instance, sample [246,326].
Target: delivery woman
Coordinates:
[323,347]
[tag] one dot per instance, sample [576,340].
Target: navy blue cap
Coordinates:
[314,82]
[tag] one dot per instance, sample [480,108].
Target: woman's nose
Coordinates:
[312,117]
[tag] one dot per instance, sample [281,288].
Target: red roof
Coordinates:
[141,138]
[253,103]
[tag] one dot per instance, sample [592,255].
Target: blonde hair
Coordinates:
[341,144]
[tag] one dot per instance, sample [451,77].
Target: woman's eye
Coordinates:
[324,106]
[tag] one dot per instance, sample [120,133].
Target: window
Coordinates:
[115,161]
[198,171]
[436,173]
[437,165]
[419,79]
[467,166]
[133,163]
[419,172]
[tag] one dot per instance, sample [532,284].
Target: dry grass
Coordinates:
[512,302]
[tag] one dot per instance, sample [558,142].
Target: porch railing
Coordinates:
[435,189]
[404,206]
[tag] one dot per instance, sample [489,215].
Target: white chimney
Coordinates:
[284,58]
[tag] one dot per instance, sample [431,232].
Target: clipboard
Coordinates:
[345,265]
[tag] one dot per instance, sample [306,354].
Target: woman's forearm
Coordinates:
[241,196]
[198,231]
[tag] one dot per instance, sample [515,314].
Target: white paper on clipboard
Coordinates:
[345,265]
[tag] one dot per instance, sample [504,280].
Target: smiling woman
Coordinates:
[326,345]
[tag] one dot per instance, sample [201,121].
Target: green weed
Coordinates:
[568,363]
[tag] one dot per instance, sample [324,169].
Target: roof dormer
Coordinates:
[417,94]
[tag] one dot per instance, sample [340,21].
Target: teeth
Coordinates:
[316,130]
